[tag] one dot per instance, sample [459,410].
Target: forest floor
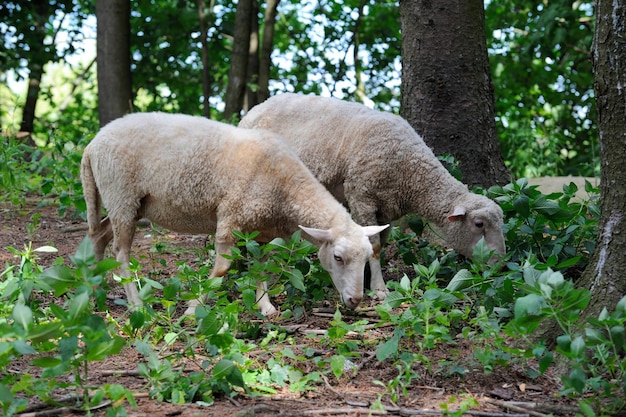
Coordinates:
[499,393]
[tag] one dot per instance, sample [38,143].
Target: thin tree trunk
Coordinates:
[447,93]
[252,69]
[236,88]
[38,59]
[360,86]
[265,58]
[206,76]
[113,59]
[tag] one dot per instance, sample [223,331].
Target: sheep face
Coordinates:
[467,224]
[344,256]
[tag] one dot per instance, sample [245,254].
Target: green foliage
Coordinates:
[559,231]
[289,262]
[594,351]
[543,83]
[63,337]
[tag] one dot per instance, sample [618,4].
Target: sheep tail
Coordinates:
[92,196]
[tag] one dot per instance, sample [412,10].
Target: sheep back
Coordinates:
[183,172]
[376,163]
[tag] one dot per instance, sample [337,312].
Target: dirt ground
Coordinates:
[507,391]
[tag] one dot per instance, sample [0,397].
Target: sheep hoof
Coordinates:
[191,309]
[379,294]
[270,312]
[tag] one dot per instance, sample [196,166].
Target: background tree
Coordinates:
[204,44]
[114,77]
[606,272]
[447,94]
[30,35]
[267,46]
[237,75]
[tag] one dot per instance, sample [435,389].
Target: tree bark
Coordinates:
[206,76]
[113,59]
[447,92]
[252,69]
[267,46]
[39,57]
[605,276]
[238,61]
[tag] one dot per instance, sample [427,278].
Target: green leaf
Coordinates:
[59,278]
[461,280]
[249,298]
[46,362]
[577,379]
[78,305]
[137,319]
[337,363]
[529,305]
[23,348]
[46,331]
[521,204]
[578,346]
[101,350]
[390,347]
[84,254]
[394,299]
[564,342]
[545,361]
[569,262]
[617,335]
[23,315]
[296,279]
[46,249]
[226,369]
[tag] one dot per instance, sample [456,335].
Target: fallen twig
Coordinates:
[334,391]
[529,406]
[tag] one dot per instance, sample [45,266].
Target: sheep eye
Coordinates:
[338,258]
[479,224]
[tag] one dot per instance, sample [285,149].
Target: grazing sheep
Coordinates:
[379,166]
[193,175]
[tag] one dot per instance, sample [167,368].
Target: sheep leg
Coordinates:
[220,268]
[377,282]
[122,241]
[263,300]
[364,213]
[101,238]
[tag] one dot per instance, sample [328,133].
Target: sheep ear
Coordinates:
[324,235]
[372,230]
[458,212]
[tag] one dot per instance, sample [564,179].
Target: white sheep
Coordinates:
[193,175]
[377,164]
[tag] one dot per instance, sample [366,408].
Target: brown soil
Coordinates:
[355,395]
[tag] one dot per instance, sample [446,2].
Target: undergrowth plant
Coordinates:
[62,338]
[441,298]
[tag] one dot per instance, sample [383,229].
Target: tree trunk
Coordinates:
[252,69]
[605,275]
[113,59]
[206,76]
[238,61]
[38,58]
[265,59]
[447,92]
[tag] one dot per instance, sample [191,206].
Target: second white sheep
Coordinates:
[377,164]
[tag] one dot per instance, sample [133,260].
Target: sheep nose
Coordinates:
[352,302]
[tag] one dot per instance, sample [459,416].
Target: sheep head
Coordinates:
[472,219]
[344,256]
